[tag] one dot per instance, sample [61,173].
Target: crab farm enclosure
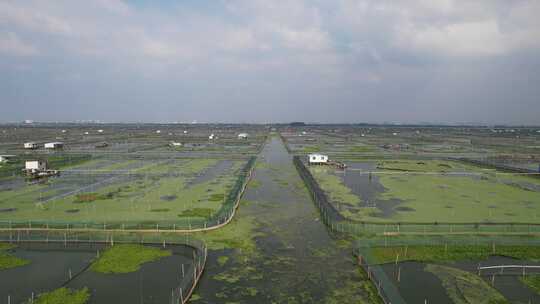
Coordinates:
[427,175]
[125,174]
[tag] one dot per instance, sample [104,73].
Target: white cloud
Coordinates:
[31,19]
[11,44]
[461,39]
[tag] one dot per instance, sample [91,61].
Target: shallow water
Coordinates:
[49,269]
[52,263]
[296,259]
[211,172]
[153,283]
[417,285]
[367,187]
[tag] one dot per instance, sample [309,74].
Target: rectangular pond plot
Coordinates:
[506,281]
[415,285]
[154,282]
[53,265]
[447,283]
[457,193]
[50,266]
[147,190]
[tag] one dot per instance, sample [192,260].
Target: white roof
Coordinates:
[317,155]
[55,143]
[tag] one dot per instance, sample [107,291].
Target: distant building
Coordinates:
[317,158]
[31,145]
[100,131]
[175,144]
[35,165]
[158,131]
[6,158]
[54,145]
[212,136]
[243,136]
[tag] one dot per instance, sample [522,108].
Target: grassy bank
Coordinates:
[8,260]
[383,255]
[127,258]
[63,296]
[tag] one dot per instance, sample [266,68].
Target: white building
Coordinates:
[31,145]
[243,136]
[175,144]
[6,158]
[158,131]
[100,131]
[212,136]
[35,165]
[317,158]
[54,145]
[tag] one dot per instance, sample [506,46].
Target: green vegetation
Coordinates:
[127,258]
[422,165]
[160,197]
[361,149]
[532,281]
[383,255]
[63,296]
[475,196]
[464,287]
[8,260]
[441,198]
[364,291]
[333,186]
[222,260]
[197,212]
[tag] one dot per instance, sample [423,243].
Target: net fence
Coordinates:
[181,224]
[336,222]
[188,274]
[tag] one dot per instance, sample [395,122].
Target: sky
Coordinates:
[339,61]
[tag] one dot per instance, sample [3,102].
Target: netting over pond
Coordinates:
[338,223]
[187,274]
[195,219]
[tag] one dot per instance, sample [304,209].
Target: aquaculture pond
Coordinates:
[460,282]
[429,191]
[277,250]
[54,265]
[120,192]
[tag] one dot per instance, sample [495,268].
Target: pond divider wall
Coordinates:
[179,295]
[338,223]
[219,219]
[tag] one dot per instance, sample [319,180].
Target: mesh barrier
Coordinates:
[338,223]
[219,218]
[189,273]
[386,286]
